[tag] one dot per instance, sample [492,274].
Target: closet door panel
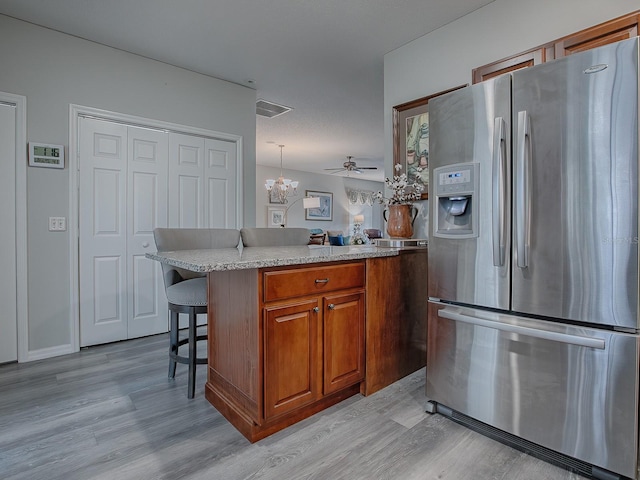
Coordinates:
[102,229]
[8,293]
[186,183]
[221,181]
[148,152]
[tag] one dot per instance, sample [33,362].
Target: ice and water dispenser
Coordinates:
[456,192]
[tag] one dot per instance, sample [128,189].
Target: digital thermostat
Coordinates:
[46,155]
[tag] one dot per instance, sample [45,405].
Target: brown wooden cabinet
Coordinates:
[312,351]
[396,327]
[290,344]
[287,342]
[343,341]
[620,28]
[292,347]
[523,60]
[615,30]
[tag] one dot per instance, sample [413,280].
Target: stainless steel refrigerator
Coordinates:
[533,330]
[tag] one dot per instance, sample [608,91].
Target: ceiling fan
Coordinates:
[350,166]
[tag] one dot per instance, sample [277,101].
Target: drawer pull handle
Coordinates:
[331,306]
[322,280]
[316,309]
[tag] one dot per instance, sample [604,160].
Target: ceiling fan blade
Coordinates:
[350,166]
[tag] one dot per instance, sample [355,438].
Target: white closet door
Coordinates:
[147,209]
[103,231]
[8,318]
[133,180]
[220,173]
[186,185]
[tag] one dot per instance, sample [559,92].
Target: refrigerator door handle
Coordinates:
[499,189]
[577,340]
[523,190]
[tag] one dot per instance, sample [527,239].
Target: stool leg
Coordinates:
[173,341]
[192,353]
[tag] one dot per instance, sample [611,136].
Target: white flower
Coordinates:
[403,191]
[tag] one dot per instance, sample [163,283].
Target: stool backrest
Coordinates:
[172,239]
[274,237]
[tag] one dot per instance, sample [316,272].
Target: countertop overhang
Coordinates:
[221,259]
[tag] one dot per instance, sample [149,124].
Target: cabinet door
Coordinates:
[343,321]
[615,30]
[292,368]
[506,65]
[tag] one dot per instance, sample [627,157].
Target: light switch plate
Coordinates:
[57,224]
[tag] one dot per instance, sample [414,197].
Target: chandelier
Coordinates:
[281,188]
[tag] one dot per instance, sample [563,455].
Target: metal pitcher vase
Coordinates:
[400,220]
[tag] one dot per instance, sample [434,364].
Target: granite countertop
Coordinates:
[258,257]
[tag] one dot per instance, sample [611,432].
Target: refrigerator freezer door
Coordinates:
[472,127]
[575,187]
[570,389]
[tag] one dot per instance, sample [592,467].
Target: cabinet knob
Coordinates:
[145,244]
[331,306]
[316,309]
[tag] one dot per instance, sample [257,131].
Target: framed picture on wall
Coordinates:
[411,138]
[275,217]
[324,211]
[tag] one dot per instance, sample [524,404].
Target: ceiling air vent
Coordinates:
[270,109]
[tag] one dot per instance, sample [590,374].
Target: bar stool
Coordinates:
[187,291]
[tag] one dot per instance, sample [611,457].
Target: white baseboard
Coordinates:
[43,353]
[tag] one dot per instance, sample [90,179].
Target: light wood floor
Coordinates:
[109,412]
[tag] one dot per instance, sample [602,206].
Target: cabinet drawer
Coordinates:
[283,284]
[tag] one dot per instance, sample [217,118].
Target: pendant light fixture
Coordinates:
[281,188]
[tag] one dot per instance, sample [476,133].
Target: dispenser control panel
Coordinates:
[455,177]
[455,181]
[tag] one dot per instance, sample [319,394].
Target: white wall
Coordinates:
[54,70]
[444,58]
[343,213]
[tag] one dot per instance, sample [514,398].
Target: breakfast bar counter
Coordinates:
[220,259]
[294,330]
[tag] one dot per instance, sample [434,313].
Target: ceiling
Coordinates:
[323,58]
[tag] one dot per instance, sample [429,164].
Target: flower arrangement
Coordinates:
[404,193]
[359,240]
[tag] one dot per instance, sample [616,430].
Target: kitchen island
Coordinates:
[288,327]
